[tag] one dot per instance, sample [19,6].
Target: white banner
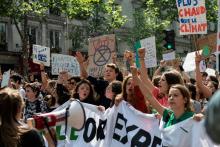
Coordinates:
[192,17]
[123,126]
[62,62]
[41,54]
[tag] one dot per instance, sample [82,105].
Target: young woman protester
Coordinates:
[12,132]
[166,81]
[84,92]
[33,104]
[178,111]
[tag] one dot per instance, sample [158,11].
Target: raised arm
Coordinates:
[143,70]
[204,89]
[158,70]
[43,75]
[81,60]
[146,92]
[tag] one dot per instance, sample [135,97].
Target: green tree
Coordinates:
[102,17]
[20,10]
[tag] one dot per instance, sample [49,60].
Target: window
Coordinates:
[3,43]
[55,40]
[32,35]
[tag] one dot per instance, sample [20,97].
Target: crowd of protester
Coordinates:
[170,92]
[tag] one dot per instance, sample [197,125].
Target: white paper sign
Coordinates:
[68,63]
[150,56]
[41,54]
[169,56]
[5,78]
[189,63]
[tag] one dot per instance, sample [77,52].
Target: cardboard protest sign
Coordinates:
[68,63]
[100,52]
[150,49]
[192,17]
[41,54]
[5,78]
[207,44]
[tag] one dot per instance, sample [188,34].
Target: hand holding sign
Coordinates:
[141,53]
[198,57]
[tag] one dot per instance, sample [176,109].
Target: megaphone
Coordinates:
[72,115]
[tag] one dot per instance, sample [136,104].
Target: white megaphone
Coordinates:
[73,115]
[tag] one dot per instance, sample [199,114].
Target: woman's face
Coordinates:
[163,86]
[130,86]
[108,92]
[176,99]
[30,94]
[83,91]
[211,86]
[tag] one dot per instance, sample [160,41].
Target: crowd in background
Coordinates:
[170,92]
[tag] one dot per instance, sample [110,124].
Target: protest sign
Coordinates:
[192,17]
[169,56]
[207,44]
[150,49]
[5,78]
[100,51]
[189,63]
[41,54]
[68,63]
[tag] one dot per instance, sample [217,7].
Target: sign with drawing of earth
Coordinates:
[100,54]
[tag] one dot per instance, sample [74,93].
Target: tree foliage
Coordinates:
[103,17]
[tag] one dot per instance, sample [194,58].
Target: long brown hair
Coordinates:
[10,105]
[124,84]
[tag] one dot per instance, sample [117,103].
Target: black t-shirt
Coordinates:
[32,139]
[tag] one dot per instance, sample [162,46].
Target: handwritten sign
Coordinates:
[5,78]
[150,52]
[41,54]
[100,53]
[169,56]
[192,16]
[64,63]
